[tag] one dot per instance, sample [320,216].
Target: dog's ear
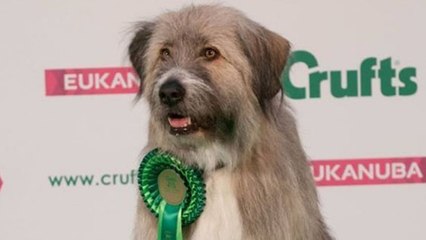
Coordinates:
[267,53]
[137,49]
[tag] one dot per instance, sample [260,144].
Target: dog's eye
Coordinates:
[165,53]
[211,53]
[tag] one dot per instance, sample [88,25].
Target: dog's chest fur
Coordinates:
[221,218]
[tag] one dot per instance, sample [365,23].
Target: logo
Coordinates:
[350,83]
[115,80]
[372,73]
[369,171]
[1,183]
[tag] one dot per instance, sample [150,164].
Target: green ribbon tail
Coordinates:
[170,222]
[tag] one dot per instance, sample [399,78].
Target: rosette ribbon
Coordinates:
[172,191]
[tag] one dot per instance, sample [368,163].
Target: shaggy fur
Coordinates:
[259,185]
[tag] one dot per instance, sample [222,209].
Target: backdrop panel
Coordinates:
[70,134]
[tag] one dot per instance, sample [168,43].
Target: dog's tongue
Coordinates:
[180,122]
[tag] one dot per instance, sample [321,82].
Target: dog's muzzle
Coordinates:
[171,93]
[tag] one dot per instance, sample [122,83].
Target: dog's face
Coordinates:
[206,72]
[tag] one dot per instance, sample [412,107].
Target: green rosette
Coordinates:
[174,192]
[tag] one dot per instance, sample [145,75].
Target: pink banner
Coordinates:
[369,171]
[115,80]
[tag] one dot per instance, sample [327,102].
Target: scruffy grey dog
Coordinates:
[211,77]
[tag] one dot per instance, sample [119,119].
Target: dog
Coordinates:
[211,77]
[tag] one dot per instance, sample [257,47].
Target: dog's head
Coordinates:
[206,71]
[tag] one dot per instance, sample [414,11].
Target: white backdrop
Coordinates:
[66,161]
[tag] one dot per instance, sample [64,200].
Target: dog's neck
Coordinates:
[212,154]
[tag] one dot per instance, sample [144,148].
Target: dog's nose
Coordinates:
[171,92]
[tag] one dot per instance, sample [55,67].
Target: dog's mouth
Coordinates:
[181,124]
